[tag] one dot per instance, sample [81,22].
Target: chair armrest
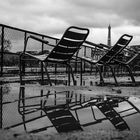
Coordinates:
[35,38]
[131,51]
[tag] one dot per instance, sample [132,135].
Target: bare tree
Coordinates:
[6,43]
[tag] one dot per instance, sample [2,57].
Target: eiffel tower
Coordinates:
[109,36]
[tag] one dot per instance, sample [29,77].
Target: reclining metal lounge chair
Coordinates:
[62,53]
[109,56]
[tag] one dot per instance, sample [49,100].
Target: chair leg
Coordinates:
[81,70]
[68,76]
[100,73]
[72,74]
[114,76]
[22,101]
[45,66]
[131,74]
[21,69]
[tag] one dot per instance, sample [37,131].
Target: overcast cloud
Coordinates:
[52,17]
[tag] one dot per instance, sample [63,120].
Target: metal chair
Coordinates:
[128,62]
[62,53]
[109,56]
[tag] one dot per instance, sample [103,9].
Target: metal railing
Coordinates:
[16,37]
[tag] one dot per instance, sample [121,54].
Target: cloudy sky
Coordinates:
[52,17]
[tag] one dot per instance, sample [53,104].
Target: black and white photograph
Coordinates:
[69,69]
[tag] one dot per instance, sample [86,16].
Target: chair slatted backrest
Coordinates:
[123,41]
[69,44]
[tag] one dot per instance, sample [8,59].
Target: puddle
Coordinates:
[22,106]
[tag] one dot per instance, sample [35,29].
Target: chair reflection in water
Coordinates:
[62,52]
[63,110]
[57,111]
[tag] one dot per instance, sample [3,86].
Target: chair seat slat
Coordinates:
[122,41]
[60,56]
[70,43]
[66,49]
[74,35]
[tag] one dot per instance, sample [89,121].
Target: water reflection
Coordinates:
[61,81]
[68,101]
[51,101]
[37,108]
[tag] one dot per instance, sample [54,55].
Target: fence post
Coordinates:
[76,62]
[55,65]
[42,72]
[84,61]
[1,106]
[23,62]
[2,50]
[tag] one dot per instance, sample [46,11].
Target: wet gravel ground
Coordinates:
[91,135]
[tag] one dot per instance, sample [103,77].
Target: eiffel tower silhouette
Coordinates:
[109,36]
